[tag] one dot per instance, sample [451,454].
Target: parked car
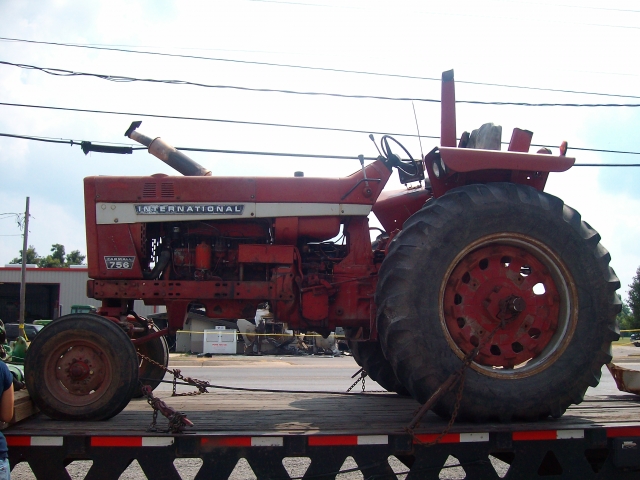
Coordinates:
[13,333]
[83,309]
[635,339]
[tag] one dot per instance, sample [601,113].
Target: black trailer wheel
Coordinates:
[507,259]
[149,373]
[370,357]
[81,367]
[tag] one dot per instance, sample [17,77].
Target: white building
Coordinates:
[50,293]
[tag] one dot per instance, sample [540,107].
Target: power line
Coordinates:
[215,59]
[573,6]
[307,67]
[242,122]
[194,149]
[606,164]
[218,120]
[40,139]
[596,150]
[118,78]
[299,155]
[498,1]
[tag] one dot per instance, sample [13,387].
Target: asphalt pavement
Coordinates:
[325,372]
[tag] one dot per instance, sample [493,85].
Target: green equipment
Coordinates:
[83,309]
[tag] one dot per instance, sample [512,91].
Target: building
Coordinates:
[50,293]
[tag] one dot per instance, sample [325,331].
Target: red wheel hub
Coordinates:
[504,287]
[79,370]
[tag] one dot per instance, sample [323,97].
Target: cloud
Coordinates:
[496,42]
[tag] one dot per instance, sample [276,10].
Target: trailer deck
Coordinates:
[596,439]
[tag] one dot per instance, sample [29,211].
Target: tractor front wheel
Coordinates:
[512,273]
[149,373]
[81,367]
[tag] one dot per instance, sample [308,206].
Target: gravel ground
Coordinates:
[296,467]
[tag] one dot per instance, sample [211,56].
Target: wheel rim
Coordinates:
[78,372]
[516,287]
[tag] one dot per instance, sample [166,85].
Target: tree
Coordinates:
[32,256]
[634,299]
[625,319]
[57,259]
[75,258]
[58,253]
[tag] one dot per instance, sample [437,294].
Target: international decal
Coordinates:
[189,209]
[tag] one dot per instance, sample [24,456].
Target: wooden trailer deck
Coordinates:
[320,433]
[256,413]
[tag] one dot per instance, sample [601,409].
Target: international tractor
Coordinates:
[474,264]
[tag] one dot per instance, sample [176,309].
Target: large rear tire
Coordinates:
[81,367]
[370,357]
[507,259]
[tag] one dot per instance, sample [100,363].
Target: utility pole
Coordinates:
[23,280]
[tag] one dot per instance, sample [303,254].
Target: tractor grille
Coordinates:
[166,190]
[149,190]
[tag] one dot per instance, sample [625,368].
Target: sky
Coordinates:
[584,46]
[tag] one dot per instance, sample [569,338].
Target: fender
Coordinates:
[450,167]
[454,167]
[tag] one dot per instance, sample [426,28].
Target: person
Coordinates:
[6,414]
[260,329]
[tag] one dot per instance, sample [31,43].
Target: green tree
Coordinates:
[625,319]
[57,259]
[75,258]
[57,252]
[32,256]
[634,299]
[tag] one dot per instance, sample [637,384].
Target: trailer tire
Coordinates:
[370,357]
[81,367]
[149,374]
[467,264]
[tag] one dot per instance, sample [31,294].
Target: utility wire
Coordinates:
[118,78]
[518,2]
[204,119]
[78,142]
[297,155]
[241,122]
[307,67]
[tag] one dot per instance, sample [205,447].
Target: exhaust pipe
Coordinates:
[168,154]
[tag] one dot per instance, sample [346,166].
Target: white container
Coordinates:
[220,341]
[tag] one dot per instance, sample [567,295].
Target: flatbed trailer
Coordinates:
[597,439]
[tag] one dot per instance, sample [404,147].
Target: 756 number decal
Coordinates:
[119,263]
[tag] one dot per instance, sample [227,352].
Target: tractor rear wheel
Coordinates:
[81,367]
[370,357]
[149,373]
[513,272]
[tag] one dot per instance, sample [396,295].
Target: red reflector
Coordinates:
[536,435]
[18,441]
[328,440]
[623,432]
[432,437]
[116,441]
[225,441]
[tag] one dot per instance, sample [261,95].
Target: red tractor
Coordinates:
[475,263]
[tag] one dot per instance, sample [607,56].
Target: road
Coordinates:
[325,372]
[316,373]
